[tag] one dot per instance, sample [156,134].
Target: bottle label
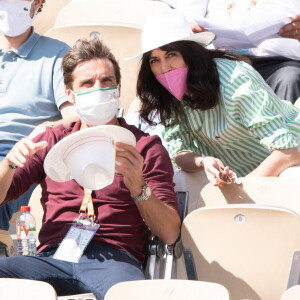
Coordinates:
[25,232]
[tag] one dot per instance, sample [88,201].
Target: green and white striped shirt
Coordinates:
[248,123]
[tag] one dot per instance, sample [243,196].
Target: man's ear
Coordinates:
[35,6]
[69,95]
[119,85]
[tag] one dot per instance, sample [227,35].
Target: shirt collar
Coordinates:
[25,49]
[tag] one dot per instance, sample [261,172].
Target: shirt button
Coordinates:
[2,67]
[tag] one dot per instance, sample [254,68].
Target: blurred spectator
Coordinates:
[276,58]
[31,83]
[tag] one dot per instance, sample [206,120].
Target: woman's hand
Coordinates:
[215,171]
[24,148]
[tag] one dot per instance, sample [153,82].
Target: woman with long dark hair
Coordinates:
[218,112]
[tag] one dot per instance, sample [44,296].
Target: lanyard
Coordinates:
[86,207]
[87,203]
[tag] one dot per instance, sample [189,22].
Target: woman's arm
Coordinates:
[276,162]
[191,162]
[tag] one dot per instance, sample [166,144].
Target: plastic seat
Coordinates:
[193,183]
[297,103]
[292,293]
[246,248]
[90,12]
[24,289]
[256,190]
[167,289]
[124,41]
[46,19]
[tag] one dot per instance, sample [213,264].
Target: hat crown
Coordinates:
[164,28]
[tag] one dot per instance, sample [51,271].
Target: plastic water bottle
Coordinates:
[26,232]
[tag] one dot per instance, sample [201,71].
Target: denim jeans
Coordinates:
[99,268]
[8,209]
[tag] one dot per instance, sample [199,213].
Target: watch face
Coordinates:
[148,191]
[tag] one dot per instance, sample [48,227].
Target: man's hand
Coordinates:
[196,28]
[129,163]
[24,148]
[291,30]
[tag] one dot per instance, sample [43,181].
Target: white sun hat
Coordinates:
[166,27]
[87,156]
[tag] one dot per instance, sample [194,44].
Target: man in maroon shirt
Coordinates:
[141,197]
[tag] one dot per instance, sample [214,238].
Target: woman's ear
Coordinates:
[69,95]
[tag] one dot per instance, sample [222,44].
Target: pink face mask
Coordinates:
[174,81]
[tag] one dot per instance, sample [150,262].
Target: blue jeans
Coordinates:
[99,268]
[7,210]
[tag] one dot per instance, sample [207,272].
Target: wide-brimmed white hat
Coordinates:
[167,27]
[87,156]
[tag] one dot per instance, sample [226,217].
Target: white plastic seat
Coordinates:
[123,40]
[46,19]
[90,12]
[246,248]
[167,289]
[193,183]
[292,293]
[24,289]
[256,190]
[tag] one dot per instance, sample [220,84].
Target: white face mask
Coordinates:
[15,17]
[97,107]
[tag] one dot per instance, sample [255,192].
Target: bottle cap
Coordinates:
[25,208]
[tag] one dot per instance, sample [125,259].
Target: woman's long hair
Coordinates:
[203,83]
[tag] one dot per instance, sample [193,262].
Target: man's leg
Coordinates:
[282,75]
[44,268]
[101,267]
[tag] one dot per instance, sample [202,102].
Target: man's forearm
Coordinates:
[6,176]
[160,218]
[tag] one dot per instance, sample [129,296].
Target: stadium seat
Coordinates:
[167,289]
[246,248]
[256,190]
[124,41]
[193,183]
[292,293]
[24,289]
[90,12]
[297,103]
[46,19]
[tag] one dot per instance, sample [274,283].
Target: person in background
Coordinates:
[219,114]
[276,58]
[140,199]
[31,84]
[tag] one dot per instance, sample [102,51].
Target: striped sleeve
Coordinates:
[179,137]
[248,98]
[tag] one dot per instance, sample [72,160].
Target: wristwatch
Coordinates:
[146,193]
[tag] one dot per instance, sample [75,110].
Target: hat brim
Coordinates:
[203,38]
[54,164]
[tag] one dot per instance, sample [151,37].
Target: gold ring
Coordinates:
[296,32]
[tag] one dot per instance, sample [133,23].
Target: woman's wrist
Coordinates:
[201,160]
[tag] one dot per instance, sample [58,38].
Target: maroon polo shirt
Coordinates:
[121,225]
